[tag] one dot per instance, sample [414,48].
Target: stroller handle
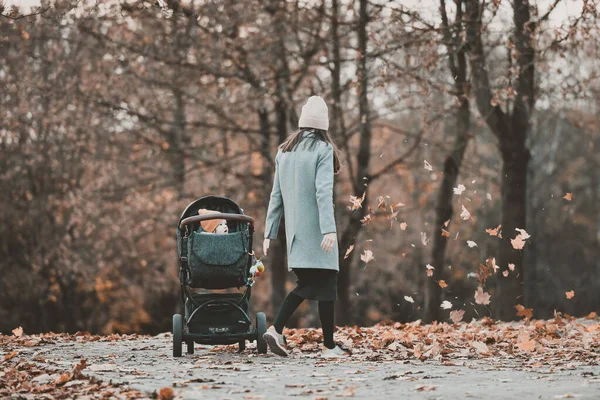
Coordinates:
[206,217]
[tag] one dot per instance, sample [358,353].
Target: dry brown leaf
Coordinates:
[446,223]
[482,297]
[349,251]
[403,226]
[480,347]
[518,243]
[442,283]
[382,202]
[64,378]
[425,388]
[505,273]
[367,256]
[457,315]
[511,266]
[568,196]
[366,219]
[166,394]
[525,344]
[18,332]
[570,294]
[524,312]
[10,356]
[493,232]
[445,233]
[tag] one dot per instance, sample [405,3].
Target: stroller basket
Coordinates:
[217,261]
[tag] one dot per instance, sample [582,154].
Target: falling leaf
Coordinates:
[409,299]
[445,233]
[524,312]
[446,305]
[446,223]
[524,235]
[430,269]
[366,219]
[18,332]
[459,189]
[471,275]
[493,232]
[482,297]
[488,196]
[511,266]
[442,283]
[471,243]
[349,251]
[570,294]
[382,202]
[568,196]
[465,214]
[457,315]
[396,205]
[518,243]
[524,343]
[357,201]
[424,239]
[166,394]
[403,226]
[505,273]
[480,347]
[367,256]
[491,263]
[428,166]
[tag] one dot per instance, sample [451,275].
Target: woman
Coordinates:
[303,190]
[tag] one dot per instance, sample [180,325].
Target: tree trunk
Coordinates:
[510,290]
[344,314]
[444,211]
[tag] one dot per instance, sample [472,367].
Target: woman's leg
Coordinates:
[290,304]
[326,315]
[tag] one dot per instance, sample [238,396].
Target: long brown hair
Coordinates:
[292,141]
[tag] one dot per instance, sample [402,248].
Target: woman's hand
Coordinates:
[266,244]
[328,242]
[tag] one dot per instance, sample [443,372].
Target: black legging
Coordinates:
[291,303]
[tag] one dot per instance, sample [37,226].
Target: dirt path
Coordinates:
[146,364]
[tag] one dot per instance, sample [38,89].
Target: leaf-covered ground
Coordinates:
[558,358]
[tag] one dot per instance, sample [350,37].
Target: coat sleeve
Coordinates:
[324,190]
[275,208]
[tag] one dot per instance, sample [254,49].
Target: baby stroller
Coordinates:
[215,261]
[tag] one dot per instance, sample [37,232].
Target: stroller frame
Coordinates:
[227,302]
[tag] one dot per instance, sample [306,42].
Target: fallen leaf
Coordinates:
[446,305]
[425,388]
[482,297]
[459,189]
[18,332]
[465,214]
[480,347]
[524,343]
[166,394]
[457,315]
[570,294]
[367,256]
[10,355]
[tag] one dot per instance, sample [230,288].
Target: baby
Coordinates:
[213,225]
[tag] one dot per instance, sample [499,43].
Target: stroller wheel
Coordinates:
[261,329]
[177,334]
[190,346]
[242,345]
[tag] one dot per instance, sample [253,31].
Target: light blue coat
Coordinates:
[303,190]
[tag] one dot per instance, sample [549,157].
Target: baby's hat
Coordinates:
[211,224]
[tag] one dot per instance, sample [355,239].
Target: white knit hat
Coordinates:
[314,114]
